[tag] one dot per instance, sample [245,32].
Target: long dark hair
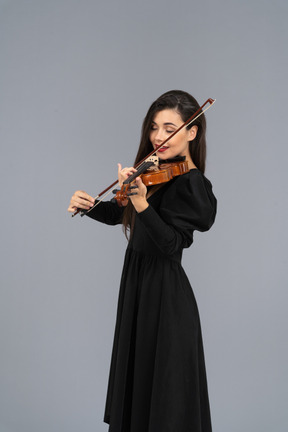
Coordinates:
[185,105]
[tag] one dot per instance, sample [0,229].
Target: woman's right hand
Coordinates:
[80,200]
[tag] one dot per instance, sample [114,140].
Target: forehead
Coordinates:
[167,116]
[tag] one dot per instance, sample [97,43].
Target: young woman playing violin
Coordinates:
[157,378]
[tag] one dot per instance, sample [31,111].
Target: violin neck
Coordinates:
[140,170]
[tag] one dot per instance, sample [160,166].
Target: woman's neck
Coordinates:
[191,164]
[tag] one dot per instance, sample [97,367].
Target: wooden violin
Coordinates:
[158,173]
[146,163]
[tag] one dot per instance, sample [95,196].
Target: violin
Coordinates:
[149,178]
[160,172]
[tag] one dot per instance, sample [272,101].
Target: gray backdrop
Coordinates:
[77,78]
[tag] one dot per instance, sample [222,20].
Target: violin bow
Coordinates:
[190,120]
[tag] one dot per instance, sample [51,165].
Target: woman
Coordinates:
[157,378]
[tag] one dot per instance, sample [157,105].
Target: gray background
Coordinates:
[77,78]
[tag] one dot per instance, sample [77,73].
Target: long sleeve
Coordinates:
[187,205]
[107,212]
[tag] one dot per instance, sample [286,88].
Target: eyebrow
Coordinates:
[166,124]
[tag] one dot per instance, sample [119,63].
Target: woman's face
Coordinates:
[163,125]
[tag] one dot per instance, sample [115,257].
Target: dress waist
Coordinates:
[155,253]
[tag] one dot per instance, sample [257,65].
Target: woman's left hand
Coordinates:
[138,195]
[138,192]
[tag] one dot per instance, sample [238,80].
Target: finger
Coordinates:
[71,209]
[128,173]
[81,203]
[83,195]
[131,194]
[142,190]
[80,207]
[133,187]
[79,200]
[130,170]
[139,181]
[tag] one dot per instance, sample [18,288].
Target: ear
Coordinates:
[192,133]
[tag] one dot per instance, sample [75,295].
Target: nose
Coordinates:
[159,136]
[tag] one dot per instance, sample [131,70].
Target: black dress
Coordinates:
[157,378]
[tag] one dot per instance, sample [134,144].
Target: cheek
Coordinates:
[178,143]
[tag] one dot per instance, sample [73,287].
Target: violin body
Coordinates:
[165,173]
[153,176]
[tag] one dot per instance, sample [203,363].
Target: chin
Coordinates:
[166,155]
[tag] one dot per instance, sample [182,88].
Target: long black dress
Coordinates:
[157,378]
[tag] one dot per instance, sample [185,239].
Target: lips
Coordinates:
[162,149]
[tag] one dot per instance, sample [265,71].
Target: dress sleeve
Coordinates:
[107,212]
[188,204]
